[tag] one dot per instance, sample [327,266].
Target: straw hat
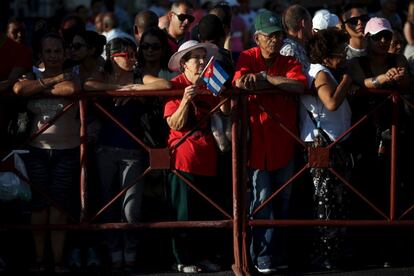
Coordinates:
[174,63]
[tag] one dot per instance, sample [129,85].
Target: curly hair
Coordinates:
[321,45]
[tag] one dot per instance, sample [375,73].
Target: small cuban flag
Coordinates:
[214,76]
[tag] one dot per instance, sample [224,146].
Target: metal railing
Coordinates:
[238,221]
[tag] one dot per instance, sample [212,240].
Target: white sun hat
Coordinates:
[188,46]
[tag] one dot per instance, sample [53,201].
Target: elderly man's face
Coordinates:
[181,19]
[269,44]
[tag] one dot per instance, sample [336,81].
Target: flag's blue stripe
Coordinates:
[221,70]
[212,89]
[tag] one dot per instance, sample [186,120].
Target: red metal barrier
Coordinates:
[239,220]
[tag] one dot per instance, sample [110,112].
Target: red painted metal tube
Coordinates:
[394,131]
[83,161]
[236,267]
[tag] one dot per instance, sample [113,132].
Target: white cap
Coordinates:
[323,19]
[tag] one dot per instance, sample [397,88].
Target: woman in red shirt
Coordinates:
[195,158]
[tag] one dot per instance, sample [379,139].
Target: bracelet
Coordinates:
[375,82]
[42,84]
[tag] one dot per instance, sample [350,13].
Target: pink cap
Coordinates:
[376,25]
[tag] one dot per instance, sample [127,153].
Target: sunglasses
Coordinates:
[77,46]
[153,46]
[127,55]
[182,17]
[354,20]
[387,36]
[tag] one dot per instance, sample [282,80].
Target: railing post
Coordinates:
[393,174]
[235,107]
[243,182]
[83,161]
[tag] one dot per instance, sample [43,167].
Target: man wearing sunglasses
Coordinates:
[354,18]
[180,19]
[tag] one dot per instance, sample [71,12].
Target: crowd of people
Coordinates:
[324,61]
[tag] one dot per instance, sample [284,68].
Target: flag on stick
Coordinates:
[214,76]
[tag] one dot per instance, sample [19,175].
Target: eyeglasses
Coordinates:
[153,46]
[182,17]
[77,46]
[127,55]
[354,20]
[386,35]
[272,35]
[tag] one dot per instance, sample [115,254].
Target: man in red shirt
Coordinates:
[271,148]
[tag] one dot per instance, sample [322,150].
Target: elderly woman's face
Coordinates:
[196,63]
[52,54]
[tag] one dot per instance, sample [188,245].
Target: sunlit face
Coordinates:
[269,44]
[196,63]
[17,32]
[124,60]
[380,42]
[151,48]
[355,21]
[79,50]
[52,54]
[181,19]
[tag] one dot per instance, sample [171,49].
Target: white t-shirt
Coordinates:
[333,122]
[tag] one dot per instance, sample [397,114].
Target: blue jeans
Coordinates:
[117,168]
[266,246]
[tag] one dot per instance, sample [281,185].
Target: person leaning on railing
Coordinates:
[271,149]
[371,143]
[121,160]
[53,161]
[324,115]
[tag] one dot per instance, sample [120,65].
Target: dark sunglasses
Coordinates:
[182,17]
[379,36]
[354,20]
[77,46]
[153,46]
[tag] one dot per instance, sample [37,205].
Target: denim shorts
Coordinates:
[56,173]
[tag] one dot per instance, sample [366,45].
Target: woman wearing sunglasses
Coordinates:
[371,142]
[85,52]
[379,69]
[120,159]
[154,53]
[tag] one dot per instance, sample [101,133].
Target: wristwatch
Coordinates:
[375,82]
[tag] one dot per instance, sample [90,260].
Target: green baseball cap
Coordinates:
[267,22]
